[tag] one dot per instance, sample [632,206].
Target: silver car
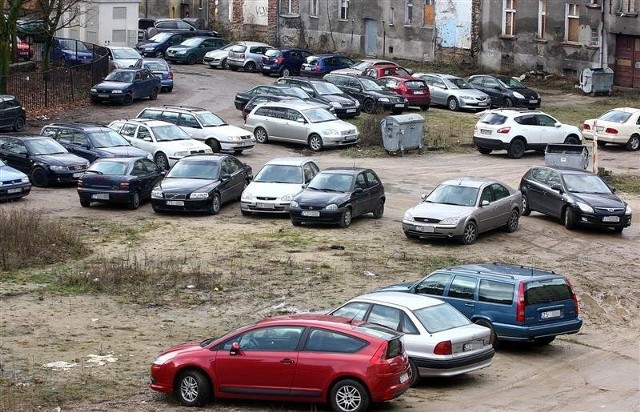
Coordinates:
[217,59]
[247,55]
[439,340]
[300,123]
[462,208]
[454,92]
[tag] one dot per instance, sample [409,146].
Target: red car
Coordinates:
[24,50]
[416,91]
[302,358]
[377,72]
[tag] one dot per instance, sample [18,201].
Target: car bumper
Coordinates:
[65,177]
[475,105]
[107,97]
[526,103]
[271,69]
[15,191]
[161,378]
[104,196]
[213,63]
[166,83]
[388,386]
[168,205]
[425,231]
[598,220]
[393,106]
[346,113]
[529,333]
[241,145]
[456,366]
[418,100]
[606,138]
[325,217]
[335,141]
[493,144]
[265,206]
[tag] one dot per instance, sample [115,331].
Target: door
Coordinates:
[502,203]
[370,37]
[235,185]
[627,69]
[295,127]
[486,214]
[438,90]
[548,131]
[144,140]
[360,198]
[462,293]
[15,154]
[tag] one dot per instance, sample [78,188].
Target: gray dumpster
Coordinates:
[596,80]
[568,155]
[402,132]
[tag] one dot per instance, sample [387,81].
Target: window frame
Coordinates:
[509,14]
[314,8]
[408,12]
[572,16]
[542,18]
[343,10]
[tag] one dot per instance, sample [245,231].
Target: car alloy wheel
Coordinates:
[261,135]
[345,220]
[512,223]
[134,202]
[569,218]
[349,396]
[525,205]
[369,106]
[516,149]
[18,124]
[39,177]
[162,161]
[452,103]
[634,143]
[315,142]
[193,388]
[215,204]
[470,234]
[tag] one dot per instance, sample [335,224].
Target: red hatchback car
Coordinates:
[302,358]
[377,72]
[416,91]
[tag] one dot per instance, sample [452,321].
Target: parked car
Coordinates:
[506,91]
[242,98]
[344,105]
[462,208]
[70,52]
[12,114]
[192,50]
[279,180]
[576,197]
[203,125]
[414,90]
[378,71]
[300,123]
[371,95]
[125,85]
[439,340]
[518,303]
[284,62]
[368,364]
[162,70]
[166,142]
[31,30]
[201,183]
[43,159]
[320,64]
[453,92]
[247,55]
[361,65]
[25,51]
[13,183]
[91,141]
[617,126]
[123,57]
[264,98]
[218,58]
[157,45]
[336,195]
[517,131]
[119,180]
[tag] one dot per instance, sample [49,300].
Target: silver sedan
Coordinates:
[454,92]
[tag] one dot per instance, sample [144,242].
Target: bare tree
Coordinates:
[8,38]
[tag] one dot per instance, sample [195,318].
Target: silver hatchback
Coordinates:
[247,55]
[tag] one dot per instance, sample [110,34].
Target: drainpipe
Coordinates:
[384,38]
[278,24]
[602,36]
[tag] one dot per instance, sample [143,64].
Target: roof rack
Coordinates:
[177,106]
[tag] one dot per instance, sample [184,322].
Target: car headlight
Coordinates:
[383,99]
[57,168]
[156,194]
[94,90]
[181,154]
[246,197]
[286,198]
[294,204]
[357,104]
[465,98]
[331,132]
[408,216]
[336,104]
[518,95]
[181,52]
[584,207]
[449,221]
[162,359]
[627,210]
[332,206]
[199,195]
[116,91]
[234,138]
[26,180]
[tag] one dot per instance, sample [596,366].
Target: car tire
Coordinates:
[415,376]
[169,89]
[296,222]
[85,203]
[214,208]
[347,216]
[285,72]
[237,152]
[159,55]
[425,107]
[315,142]
[162,161]
[569,218]
[493,337]
[369,106]
[18,125]
[544,341]
[214,145]
[232,68]
[453,104]
[127,100]
[633,144]
[349,395]
[250,67]
[572,139]
[134,202]
[224,65]
[39,177]
[512,223]
[525,205]
[379,210]
[601,143]
[193,388]
[507,102]
[484,150]
[397,111]
[618,229]
[516,149]
[470,233]
[261,135]
[154,94]
[192,59]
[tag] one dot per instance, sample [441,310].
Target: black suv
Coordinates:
[370,94]
[344,105]
[91,141]
[12,114]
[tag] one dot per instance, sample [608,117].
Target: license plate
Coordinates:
[266,67]
[485,131]
[533,101]
[103,196]
[599,128]
[467,347]
[483,104]
[351,110]
[426,229]
[404,377]
[159,76]
[611,219]
[175,202]
[247,143]
[418,92]
[550,314]
[266,206]
[310,213]
[76,175]
[103,95]
[399,104]
[18,190]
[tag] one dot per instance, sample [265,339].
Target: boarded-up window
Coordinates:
[314,8]
[572,22]
[542,18]
[119,13]
[118,36]
[509,18]
[428,14]
[392,16]
[626,6]
[595,38]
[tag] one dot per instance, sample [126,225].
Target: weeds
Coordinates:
[625,182]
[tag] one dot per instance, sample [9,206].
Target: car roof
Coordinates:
[400,299]
[26,137]
[625,109]
[204,157]
[468,181]
[289,161]
[298,104]
[78,126]
[176,107]
[146,122]
[118,159]
[346,170]
[402,79]
[502,270]
[250,43]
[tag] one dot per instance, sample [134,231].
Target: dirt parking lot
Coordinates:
[266,266]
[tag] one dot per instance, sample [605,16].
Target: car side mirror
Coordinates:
[147,138]
[558,187]
[484,203]
[358,190]
[235,348]
[423,197]
[557,124]
[300,120]
[225,177]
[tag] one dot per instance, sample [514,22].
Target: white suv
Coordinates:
[518,130]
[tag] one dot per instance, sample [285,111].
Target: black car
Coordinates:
[506,91]
[201,183]
[278,90]
[91,141]
[344,105]
[284,62]
[125,85]
[12,114]
[157,45]
[337,195]
[122,180]
[43,159]
[371,95]
[577,197]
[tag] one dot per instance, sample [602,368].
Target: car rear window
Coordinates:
[616,116]
[545,291]
[394,348]
[414,84]
[494,118]
[313,60]
[272,53]
[495,292]
[238,49]
[440,317]
[321,340]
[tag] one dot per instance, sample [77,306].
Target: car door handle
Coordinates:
[470,305]
[287,361]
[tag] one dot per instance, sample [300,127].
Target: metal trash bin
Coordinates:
[596,80]
[568,155]
[402,132]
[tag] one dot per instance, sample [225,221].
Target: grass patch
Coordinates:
[625,182]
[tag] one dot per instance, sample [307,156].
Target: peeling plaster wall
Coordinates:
[453,23]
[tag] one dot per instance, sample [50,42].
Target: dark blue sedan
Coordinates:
[123,180]
[13,183]
[125,85]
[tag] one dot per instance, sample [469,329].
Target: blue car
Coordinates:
[13,183]
[162,70]
[70,52]
[284,62]
[125,85]
[320,64]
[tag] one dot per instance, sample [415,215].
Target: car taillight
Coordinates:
[317,68]
[402,88]
[610,130]
[80,182]
[380,356]
[241,56]
[586,126]
[443,348]
[520,304]
[279,60]
[504,130]
[124,186]
[574,297]
[170,74]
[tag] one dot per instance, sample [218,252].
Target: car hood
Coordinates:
[340,98]
[318,198]
[124,151]
[78,54]
[183,348]
[112,85]
[347,71]
[479,94]
[125,63]
[185,185]
[61,159]
[225,131]
[527,93]
[440,211]
[217,53]
[269,189]
[181,145]
[600,200]
[179,47]
[8,173]
[398,287]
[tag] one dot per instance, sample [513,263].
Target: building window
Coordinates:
[119,13]
[595,38]
[428,13]
[288,7]
[626,6]
[408,12]
[509,18]
[118,36]
[572,23]
[542,18]
[392,16]
[344,9]
[314,8]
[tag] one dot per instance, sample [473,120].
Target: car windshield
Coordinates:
[127,53]
[107,139]
[279,174]
[615,116]
[326,88]
[192,42]
[44,146]
[440,317]
[159,65]
[297,92]
[511,82]
[318,115]
[458,83]
[331,182]
[108,168]
[120,76]
[75,45]
[160,37]
[370,84]
[208,119]
[456,195]
[169,132]
[401,72]
[585,184]
[361,65]
[195,170]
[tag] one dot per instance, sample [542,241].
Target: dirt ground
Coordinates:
[93,352]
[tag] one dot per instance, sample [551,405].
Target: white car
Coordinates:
[519,130]
[217,59]
[617,126]
[272,189]
[166,142]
